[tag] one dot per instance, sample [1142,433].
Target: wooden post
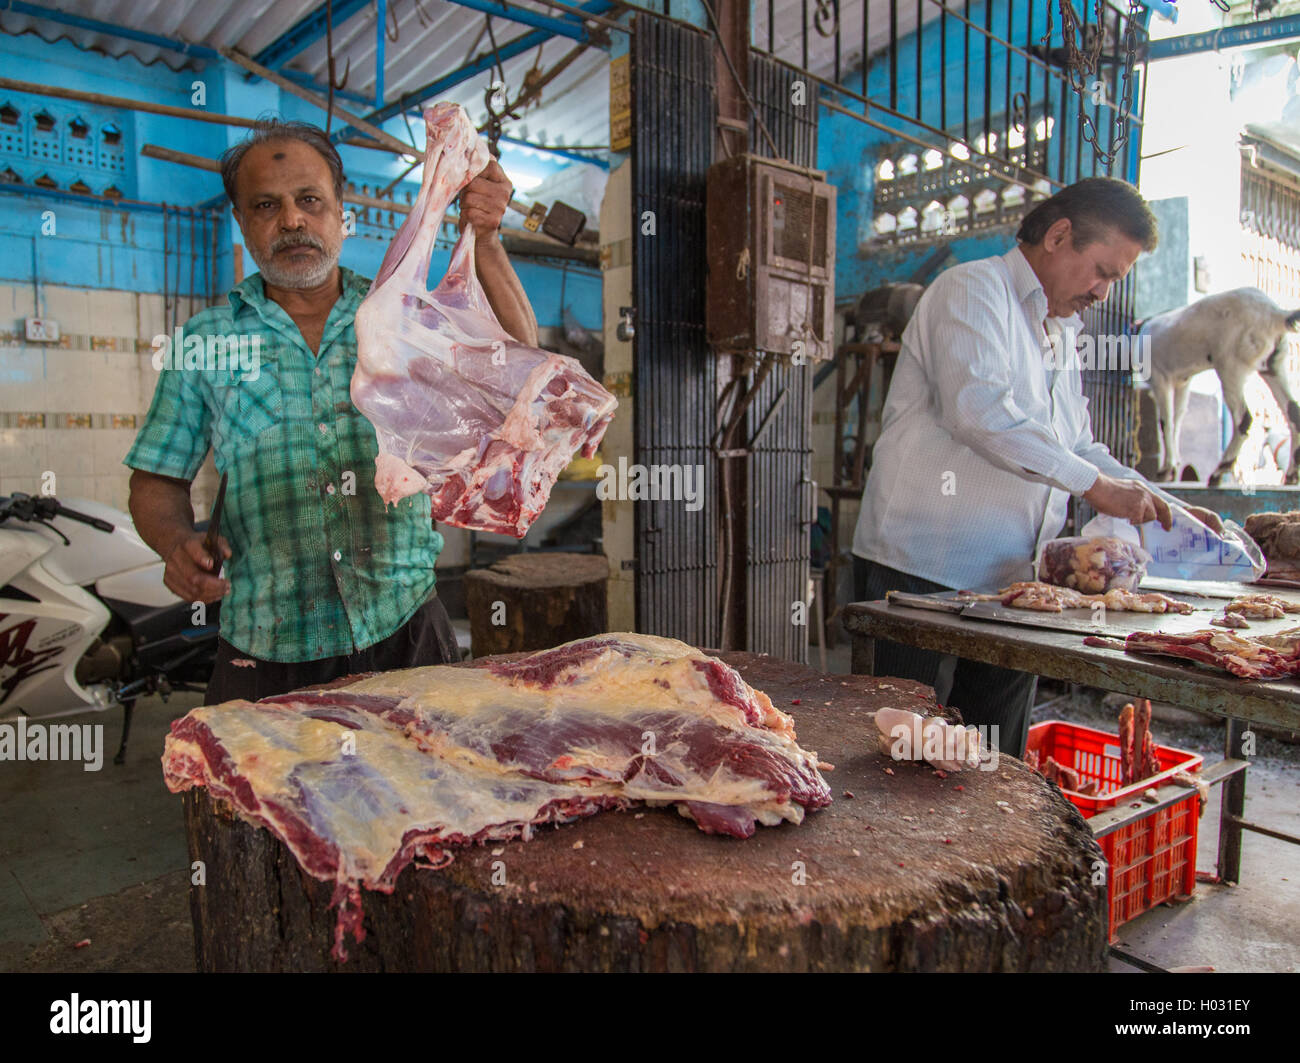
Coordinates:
[535,600]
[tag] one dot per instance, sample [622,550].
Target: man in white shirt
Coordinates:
[985,436]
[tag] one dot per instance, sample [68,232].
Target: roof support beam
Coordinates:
[1270,30]
[563,153]
[508,50]
[558,27]
[305,32]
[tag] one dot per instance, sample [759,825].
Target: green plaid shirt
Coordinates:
[319,567]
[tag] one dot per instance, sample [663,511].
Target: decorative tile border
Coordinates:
[76,341]
[70,420]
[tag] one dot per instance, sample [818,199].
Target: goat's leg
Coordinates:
[1234,397]
[1278,380]
[1182,392]
[1166,427]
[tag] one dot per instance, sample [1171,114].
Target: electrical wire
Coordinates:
[749,102]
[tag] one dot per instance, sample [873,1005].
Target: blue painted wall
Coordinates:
[92,246]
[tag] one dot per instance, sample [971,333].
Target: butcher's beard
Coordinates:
[311,272]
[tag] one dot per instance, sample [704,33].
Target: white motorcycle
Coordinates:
[85,620]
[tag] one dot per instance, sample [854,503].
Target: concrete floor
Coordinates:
[102,855]
[98,855]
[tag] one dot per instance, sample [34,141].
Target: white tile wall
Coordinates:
[49,380]
[22,379]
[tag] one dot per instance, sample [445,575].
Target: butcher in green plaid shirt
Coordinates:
[323,579]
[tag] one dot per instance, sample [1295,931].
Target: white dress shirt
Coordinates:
[982,441]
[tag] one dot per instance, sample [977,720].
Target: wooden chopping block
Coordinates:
[534,601]
[912,873]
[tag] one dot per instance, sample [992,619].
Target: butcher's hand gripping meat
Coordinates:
[359,780]
[463,411]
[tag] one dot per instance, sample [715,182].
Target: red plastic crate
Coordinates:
[1154,857]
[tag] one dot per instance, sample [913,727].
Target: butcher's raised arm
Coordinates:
[483,205]
[505,293]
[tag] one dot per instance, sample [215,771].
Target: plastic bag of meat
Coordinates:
[1094,565]
[1189,549]
[464,412]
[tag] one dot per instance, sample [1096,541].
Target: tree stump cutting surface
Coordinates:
[912,873]
[534,601]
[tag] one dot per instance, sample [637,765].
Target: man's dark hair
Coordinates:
[269,130]
[1093,205]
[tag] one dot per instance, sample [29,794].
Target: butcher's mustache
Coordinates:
[296,240]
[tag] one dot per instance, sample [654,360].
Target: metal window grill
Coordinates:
[1270,222]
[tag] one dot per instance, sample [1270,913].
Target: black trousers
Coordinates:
[985,694]
[427,638]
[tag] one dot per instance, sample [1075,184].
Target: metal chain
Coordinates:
[1082,62]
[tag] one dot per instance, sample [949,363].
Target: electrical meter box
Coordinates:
[771,253]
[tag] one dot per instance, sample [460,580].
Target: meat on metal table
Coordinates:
[1064,656]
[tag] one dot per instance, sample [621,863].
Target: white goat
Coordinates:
[1235,333]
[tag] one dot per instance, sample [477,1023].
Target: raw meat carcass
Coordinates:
[464,412]
[1259,657]
[361,779]
[1093,565]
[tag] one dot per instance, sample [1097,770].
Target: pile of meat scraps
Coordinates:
[362,779]
[464,412]
[1093,566]
[1138,758]
[1275,656]
[1049,598]
[1278,536]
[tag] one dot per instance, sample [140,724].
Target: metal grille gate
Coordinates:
[1112,399]
[674,372]
[1270,221]
[782,499]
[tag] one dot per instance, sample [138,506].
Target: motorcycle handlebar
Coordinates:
[25,507]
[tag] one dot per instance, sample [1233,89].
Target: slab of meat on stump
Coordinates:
[361,779]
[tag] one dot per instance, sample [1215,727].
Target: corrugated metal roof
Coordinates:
[434,39]
[787,20]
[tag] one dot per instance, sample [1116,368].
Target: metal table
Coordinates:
[1064,656]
